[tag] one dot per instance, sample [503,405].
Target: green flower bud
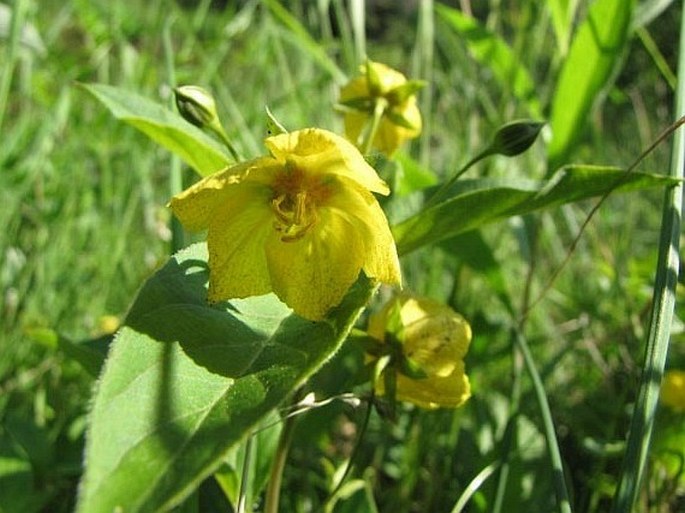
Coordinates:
[516,137]
[196,105]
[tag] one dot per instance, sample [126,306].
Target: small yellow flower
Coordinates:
[673,390]
[401,117]
[434,339]
[301,222]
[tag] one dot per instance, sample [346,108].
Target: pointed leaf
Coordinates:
[192,145]
[185,381]
[474,203]
[595,51]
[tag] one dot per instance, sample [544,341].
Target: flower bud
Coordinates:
[196,105]
[516,137]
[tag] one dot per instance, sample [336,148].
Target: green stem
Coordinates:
[378,111]
[273,490]
[355,450]
[663,304]
[221,133]
[548,424]
[438,195]
[245,476]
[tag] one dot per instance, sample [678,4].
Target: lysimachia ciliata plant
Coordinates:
[216,350]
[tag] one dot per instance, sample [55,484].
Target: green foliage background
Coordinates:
[84,222]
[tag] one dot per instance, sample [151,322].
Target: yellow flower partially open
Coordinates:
[673,390]
[301,222]
[435,339]
[401,119]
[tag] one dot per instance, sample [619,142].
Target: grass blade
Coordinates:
[661,317]
[548,424]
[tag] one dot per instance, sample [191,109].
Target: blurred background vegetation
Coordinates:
[84,223]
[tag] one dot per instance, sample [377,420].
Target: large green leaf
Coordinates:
[491,51]
[596,48]
[473,203]
[185,381]
[192,145]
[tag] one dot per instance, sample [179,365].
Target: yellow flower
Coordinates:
[673,390]
[401,117]
[301,222]
[434,339]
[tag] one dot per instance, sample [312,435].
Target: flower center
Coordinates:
[294,203]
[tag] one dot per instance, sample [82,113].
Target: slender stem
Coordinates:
[245,476]
[273,490]
[358,29]
[355,450]
[656,350]
[227,142]
[550,434]
[438,195]
[474,486]
[378,111]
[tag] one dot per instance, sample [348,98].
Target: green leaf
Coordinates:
[410,176]
[491,51]
[355,496]
[595,51]
[192,145]
[474,203]
[186,380]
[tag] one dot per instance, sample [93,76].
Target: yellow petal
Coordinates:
[238,232]
[320,152]
[433,392]
[354,125]
[354,89]
[195,206]
[311,275]
[389,78]
[361,209]
[357,87]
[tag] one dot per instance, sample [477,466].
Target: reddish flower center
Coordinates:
[295,200]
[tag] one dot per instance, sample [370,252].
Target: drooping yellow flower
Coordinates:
[434,339]
[673,390]
[401,118]
[301,223]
